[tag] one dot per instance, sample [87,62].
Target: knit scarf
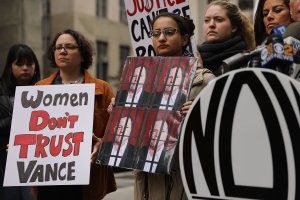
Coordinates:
[214,53]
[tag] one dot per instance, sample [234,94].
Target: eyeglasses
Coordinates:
[66,47]
[168,32]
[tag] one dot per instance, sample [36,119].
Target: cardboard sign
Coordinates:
[143,129]
[240,139]
[51,135]
[140,13]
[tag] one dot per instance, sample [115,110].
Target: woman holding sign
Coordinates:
[21,68]
[72,54]
[171,35]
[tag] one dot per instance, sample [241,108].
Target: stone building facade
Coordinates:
[103,22]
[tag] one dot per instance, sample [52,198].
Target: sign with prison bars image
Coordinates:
[143,129]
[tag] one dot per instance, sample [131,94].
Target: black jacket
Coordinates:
[6,110]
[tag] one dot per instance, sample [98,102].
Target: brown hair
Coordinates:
[239,21]
[84,47]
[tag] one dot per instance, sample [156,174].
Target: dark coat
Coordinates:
[180,100]
[122,96]
[127,160]
[6,110]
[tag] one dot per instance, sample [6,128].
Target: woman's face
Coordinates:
[167,40]
[67,54]
[295,9]
[275,13]
[217,26]
[23,72]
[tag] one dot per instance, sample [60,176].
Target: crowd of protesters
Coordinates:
[227,31]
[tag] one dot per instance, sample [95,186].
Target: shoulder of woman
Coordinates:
[101,86]
[48,80]
[203,75]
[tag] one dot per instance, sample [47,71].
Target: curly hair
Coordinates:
[238,20]
[84,47]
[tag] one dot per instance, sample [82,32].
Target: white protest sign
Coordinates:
[51,135]
[140,13]
[240,139]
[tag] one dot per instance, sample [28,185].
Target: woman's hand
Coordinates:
[111,105]
[97,142]
[185,107]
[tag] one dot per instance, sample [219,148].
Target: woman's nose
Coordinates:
[212,23]
[270,16]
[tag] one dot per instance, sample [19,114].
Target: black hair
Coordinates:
[20,53]
[259,27]
[185,25]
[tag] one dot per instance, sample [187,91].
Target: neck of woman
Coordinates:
[71,77]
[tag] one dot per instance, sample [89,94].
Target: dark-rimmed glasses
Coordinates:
[166,31]
[66,47]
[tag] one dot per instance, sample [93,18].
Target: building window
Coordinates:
[123,15]
[124,52]
[101,8]
[246,4]
[102,60]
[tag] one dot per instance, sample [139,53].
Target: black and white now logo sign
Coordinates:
[241,140]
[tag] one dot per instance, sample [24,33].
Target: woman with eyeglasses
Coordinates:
[21,68]
[269,15]
[71,53]
[227,31]
[170,36]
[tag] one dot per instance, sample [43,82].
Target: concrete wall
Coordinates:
[20,22]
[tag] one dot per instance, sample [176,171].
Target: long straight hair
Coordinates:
[20,53]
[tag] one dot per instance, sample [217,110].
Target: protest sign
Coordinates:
[140,13]
[51,135]
[240,139]
[143,129]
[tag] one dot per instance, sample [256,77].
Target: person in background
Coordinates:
[170,36]
[160,148]
[72,54]
[172,97]
[227,31]
[135,96]
[270,14]
[122,130]
[295,10]
[21,69]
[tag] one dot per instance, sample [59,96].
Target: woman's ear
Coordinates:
[234,29]
[185,39]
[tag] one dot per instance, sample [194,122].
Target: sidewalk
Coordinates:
[125,181]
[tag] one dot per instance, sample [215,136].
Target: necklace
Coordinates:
[79,80]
